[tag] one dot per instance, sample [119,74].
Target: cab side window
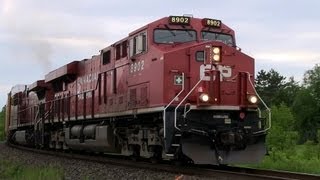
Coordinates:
[106,57]
[124,48]
[121,50]
[118,51]
[138,44]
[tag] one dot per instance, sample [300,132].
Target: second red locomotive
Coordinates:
[177,88]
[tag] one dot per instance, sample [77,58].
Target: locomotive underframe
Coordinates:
[217,136]
[204,137]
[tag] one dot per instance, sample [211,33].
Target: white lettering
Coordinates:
[89,78]
[137,66]
[225,71]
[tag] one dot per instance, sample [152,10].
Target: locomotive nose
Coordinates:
[211,70]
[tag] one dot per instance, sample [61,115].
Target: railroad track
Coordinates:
[214,172]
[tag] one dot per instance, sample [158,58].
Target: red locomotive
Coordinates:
[177,88]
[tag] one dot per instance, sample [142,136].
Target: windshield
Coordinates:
[169,36]
[225,38]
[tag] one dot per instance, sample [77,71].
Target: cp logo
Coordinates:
[225,71]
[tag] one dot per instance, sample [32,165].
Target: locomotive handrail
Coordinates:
[259,111]
[175,110]
[264,104]
[36,116]
[164,110]
[185,112]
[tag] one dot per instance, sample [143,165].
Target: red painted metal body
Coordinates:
[89,89]
[168,86]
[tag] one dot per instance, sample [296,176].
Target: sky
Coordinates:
[38,36]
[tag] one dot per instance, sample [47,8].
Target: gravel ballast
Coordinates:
[80,169]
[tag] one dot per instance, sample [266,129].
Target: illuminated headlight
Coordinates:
[253,99]
[204,97]
[216,50]
[216,54]
[216,57]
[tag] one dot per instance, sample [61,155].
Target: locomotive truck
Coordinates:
[178,88]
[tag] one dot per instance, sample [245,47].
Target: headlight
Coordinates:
[204,97]
[253,99]
[216,57]
[216,50]
[216,54]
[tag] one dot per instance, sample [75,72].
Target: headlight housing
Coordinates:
[204,97]
[216,54]
[253,99]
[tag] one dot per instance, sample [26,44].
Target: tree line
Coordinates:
[301,98]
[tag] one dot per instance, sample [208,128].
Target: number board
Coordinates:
[179,20]
[211,23]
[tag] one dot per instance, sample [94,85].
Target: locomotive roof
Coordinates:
[164,20]
[194,22]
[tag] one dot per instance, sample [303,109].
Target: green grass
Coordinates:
[1,129]
[300,158]
[2,116]
[9,170]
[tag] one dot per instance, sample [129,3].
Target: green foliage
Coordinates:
[2,117]
[274,89]
[282,117]
[291,162]
[296,158]
[267,83]
[284,154]
[297,120]
[9,170]
[312,85]
[281,134]
[312,81]
[289,91]
[306,113]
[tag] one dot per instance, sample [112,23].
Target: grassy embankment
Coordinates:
[284,152]
[299,158]
[13,170]
[9,170]
[2,116]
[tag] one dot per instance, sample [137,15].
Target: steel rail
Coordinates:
[225,172]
